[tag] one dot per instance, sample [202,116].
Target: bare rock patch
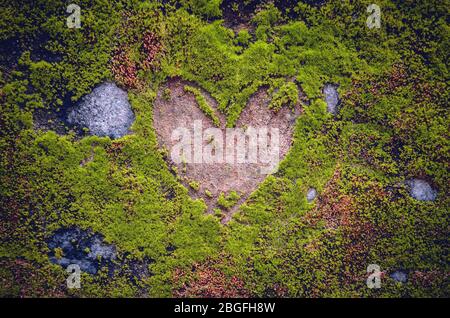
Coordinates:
[175,108]
[106,111]
[421,190]
[331,98]
[76,246]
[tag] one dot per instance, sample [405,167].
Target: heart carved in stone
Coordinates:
[175,108]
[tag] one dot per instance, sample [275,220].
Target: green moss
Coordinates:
[286,95]
[194,185]
[203,104]
[59,253]
[166,94]
[243,38]
[229,200]
[208,193]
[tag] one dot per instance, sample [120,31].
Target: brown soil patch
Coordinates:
[180,109]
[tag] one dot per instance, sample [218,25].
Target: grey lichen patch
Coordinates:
[106,111]
[311,194]
[331,98]
[421,190]
[399,276]
[76,246]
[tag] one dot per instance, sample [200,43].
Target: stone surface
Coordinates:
[311,195]
[106,111]
[421,190]
[331,98]
[399,276]
[80,247]
[180,110]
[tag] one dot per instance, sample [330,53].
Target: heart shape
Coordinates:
[176,108]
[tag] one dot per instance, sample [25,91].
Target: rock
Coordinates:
[331,98]
[399,276]
[80,247]
[421,190]
[311,195]
[105,112]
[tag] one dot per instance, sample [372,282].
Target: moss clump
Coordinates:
[208,193]
[286,95]
[59,253]
[194,185]
[166,94]
[228,201]
[203,104]
[218,213]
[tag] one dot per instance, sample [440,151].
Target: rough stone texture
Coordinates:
[311,195]
[80,247]
[399,276]
[331,98]
[105,112]
[421,190]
